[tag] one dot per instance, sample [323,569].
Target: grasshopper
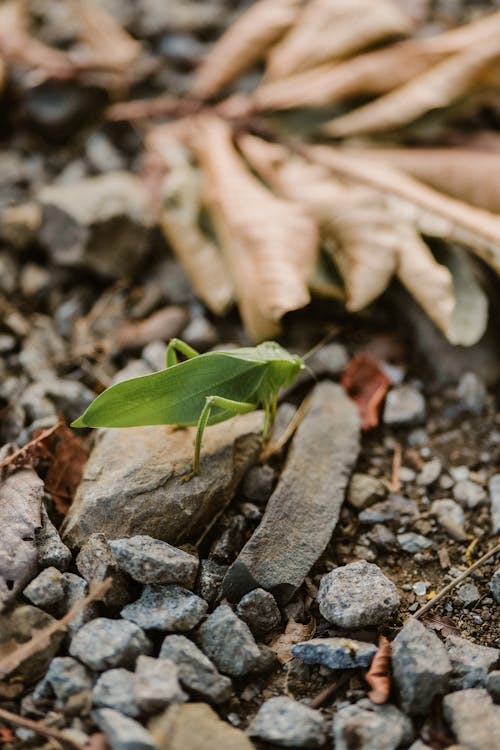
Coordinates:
[202,390]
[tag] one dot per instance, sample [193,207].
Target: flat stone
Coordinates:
[133,481]
[364,490]
[494,490]
[156,684]
[196,672]
[114,689]
[430,472]
[495,585]
[102,644]
[492,685]
[471,662]
[149,560]
[122,732]
[395,508]
[288,723]
[473,718]
[196,726]
[357,595]
[166,607]
[47,589]
[304,508]
[421,667]
[450,517]
[229,643]
[96,562]
[371,727]
[335,653]
[469,494]
[259,610]
[404,407]
[52,552]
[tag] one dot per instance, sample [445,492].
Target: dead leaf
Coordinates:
[441,623]
[366,384]
[245,42]
[295,632]
[21,495]
[66,468]
[379,675]
[7,735]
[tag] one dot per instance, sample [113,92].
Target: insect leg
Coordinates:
[176,345]
[269,415]
[237,407]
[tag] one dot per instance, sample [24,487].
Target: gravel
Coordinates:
[52,552]
[404,407]
[335,653]
[365,726]
[469,494]
[103,643]
[149,560]
[258,483]
[210,579]
[65,677]
[259,610]
[492,684]
[114,689]
[430,472]
[495,585]
[494,490]
[196,672]
[47,589]
[156,684]
[470,661]
[450,517]
[412,542]
[166,607]
[229,643]
[95,562]
[122,732]
[364,490]
[288,723]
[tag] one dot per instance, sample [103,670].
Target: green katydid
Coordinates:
[202,390]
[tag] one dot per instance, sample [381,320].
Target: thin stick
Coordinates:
[42,436]
[451,586]
[39,728]
[328,692]
[396,465]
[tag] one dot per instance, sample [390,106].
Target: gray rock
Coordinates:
[149,560]
[288,723]
[335,653]
[102,644]
[395,508]
[473,718]
[404,406]
[357,595]
[258,483]
[210,579]
[133,481]
[430,472]
[494,488]
[468,593]
[472,393]
[52,552]
[495,585]
[492,685]
[450,517]
[304,508]
[95,562]
[382,537]
[193,726]
[47,589]
[114,689]
[421,667]
[228,642]
[196,672]
[469,494]
[76,590]
[364,490]
[471,662]
[329,360]
[66,678]
[412,543]
[156,684]
[367,726]
[122,732]
[259,610]
[54,395]
[168,607]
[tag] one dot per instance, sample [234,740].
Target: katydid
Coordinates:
[202,390]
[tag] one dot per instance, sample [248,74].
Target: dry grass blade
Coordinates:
[270,244]
[245,42]
[328,29]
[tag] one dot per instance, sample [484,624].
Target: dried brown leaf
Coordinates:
[246,41]
[66,468]
[379,675]
[295,632]
[270,244]
[367,384]
[327,29]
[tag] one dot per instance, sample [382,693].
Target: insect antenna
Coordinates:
[332,332]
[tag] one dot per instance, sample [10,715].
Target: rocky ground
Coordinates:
[246,604]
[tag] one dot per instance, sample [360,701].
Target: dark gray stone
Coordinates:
[258,483]
[95,562]
[471,662]
[47,589]
[66,677]
[288,723]
[210,578]
[228,642]
[114,689]
[122,732]
[259,610]
[52,552]
[412,543]
[493,685]
[102,644]
[404,407]
[149,560]
[335,653]
[304,508]
[357,595]
[168,607]
[421,667]
[472,393]
[76,590]
[196,672]
[495,585]
[367,726]
[156,684]
[395,508]
[365,490]
[473,718]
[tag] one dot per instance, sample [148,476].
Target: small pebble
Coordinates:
[450,517]
[196,672]
[114,689]
[470,661]
[335,653]
[469,494]
[258,483]
[430,472]
[149,560]
[47,589]
[122,732]
[156,684]
[287,723]
[364,490]
[404,406]
[494,490]
[259,610]
[495,585]
[166,607]
[411,542]
[374,727]
[493,685]
[420,587]
[468,593]
[229,643]
[407,475]
[103,643]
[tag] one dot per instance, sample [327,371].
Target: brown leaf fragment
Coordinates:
[65,471]
[270,244]
[441,623]
[245,42]
[295,632]
[367,384]
[379,675]
[327,29]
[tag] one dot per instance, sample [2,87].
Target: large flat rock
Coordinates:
[134,481]
[304,508]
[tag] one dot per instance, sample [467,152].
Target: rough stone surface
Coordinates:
[228,642]
[473,718]
[196,726]
[412,543]
[168,607]
[494,490]
[404,406]
[468,493]
[259,610]
[102,644]
[258,483]
[468,593]
[156,684]
[471,662]
[95,562]
[450,517]
[357,595]
[495,585]
[52,552]
[493,685]
[421,667]
[149,560]
[395,508]
[335,653]
[210,579]
[114,689]
[364,490]
[47,589]
[143,467]
[288,723]
[369,727]
[196,672]
[304,508]
[66,677]
[76,590]
[122,732]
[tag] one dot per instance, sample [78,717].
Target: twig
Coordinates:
[426,607]
[328,692]
[396,466]
[39,728]
[140,109]
[39,438]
